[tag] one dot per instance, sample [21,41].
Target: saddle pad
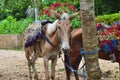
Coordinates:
[33,32]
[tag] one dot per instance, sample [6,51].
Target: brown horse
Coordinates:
[75,56]
[47,45]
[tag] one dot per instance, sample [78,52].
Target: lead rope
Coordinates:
[71,68]
[82,52]
[83,68]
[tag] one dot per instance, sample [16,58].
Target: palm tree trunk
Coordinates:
[90,41]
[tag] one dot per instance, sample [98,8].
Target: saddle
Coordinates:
[35,33]
[109,38]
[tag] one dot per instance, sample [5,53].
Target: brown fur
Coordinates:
[75,57]
[48,52]
[59,37]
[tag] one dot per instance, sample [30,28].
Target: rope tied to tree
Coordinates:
[92,52]
[83,52]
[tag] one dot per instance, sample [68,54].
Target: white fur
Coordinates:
[65,45]
[51,27]
[65,15]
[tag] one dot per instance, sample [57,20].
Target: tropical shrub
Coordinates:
[11,26]
[108,19]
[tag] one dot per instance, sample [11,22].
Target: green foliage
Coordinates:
[11,26]
[76,23]
[14,8]
[12,13]
[108,19]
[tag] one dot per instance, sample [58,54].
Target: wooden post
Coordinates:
[36,11]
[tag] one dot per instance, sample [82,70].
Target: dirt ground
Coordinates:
[13,66]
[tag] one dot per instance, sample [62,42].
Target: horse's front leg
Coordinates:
[46,68]
[53,64]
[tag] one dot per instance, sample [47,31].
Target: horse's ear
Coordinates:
[57,15]
[73,15]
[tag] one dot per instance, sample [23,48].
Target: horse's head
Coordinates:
[64,28]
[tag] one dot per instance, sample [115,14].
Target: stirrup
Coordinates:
[112,58]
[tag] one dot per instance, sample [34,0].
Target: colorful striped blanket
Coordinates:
[109,36]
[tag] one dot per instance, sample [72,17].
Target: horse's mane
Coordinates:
[52,27]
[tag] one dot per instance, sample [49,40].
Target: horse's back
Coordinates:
[76,44]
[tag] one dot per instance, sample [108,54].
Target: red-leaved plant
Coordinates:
[60,8]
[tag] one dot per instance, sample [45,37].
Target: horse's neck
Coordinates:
[47,48]
[76,32]
[54,38]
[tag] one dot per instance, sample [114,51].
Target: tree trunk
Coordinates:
[90,41]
